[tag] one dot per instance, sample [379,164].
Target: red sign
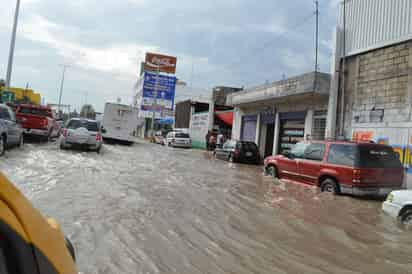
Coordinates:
[363,136]
[163,63]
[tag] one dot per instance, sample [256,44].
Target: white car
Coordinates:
[398,204]
[178,139]
[81,133]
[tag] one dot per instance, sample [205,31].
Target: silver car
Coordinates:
[81,133]
[11,133]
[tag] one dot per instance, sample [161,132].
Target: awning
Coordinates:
[226,117]
[165,121]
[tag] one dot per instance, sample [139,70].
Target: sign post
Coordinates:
[158,63]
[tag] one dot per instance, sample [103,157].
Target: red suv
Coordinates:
[340,167]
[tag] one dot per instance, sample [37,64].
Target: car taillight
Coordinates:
[98,137]
[236,152]
[64,132]
[356,176]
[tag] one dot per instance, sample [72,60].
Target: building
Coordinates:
[371,89]
[220,94]
[275,116]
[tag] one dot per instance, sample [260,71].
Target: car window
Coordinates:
[249,146]
[298,150]
[378,157]
[35,111]
[342,155]
[75,124]
[182,135]
[4,113]
[314,152]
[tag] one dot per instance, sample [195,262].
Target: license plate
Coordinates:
[249,154]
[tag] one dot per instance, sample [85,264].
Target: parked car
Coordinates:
[29,242]
[11,133]
[398,204]
[239,151]
[178,139]
[81,133]
[37,120]
[341,167]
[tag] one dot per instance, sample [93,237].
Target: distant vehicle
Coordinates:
[239,152]
[37,121]
[178,139]
[81,133]
[398,205]
[341,167]
[120,122]
[11,133]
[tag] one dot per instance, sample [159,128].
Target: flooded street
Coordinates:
[151,209]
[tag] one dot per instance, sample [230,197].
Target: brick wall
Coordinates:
[379,87]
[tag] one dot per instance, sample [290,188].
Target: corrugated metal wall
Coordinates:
[372,24]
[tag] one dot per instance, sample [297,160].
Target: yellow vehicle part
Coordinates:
[36,230]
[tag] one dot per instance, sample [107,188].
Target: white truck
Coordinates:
[120,122]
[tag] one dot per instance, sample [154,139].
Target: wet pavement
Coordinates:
[151,209]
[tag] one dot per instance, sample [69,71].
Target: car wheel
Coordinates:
[2,145]
[21,141]
[406,217]
[329,185]
[272,172]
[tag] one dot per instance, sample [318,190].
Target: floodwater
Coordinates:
[152,209]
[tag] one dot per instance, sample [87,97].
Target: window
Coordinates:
[342,155]
[319,125]
[249,146]
[315,152]
[36,111]
[298,150]
[182,135]
[75,124]
[5,114]
[378,157]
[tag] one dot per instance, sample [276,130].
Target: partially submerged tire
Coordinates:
[2,145]
[406,217]
[272,172]
[330,185]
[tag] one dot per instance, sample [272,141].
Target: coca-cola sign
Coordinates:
[163,63]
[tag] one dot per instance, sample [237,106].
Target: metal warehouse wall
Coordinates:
[372,24]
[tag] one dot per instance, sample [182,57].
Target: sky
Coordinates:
[217,43]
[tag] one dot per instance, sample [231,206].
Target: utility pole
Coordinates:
[342,98]
[12,45]
[316,45]
[61,86]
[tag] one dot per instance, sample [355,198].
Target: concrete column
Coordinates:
[211,113]
[237,123]
[257,130]
[308,124]
[334,88]
[277,131]
[262,139]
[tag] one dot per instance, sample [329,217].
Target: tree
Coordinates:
[88,112]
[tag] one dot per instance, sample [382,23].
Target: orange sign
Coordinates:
[362,136]
[163,63]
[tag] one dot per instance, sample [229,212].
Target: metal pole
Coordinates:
[154,104]
[61,88]
[317,45]
[342,98]
[12,45]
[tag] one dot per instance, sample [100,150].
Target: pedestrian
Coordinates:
[208,140]
[220,139]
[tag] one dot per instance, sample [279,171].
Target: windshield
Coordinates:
[90,126]
[182,135]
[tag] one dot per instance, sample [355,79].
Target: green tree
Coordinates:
[88,112]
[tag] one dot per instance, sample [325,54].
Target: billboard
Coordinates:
[163,63]
[166,87]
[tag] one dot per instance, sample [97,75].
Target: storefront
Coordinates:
[279,115]
[292,129]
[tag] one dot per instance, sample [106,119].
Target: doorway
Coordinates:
[270,136]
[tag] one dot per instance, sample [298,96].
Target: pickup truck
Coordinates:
[36,120]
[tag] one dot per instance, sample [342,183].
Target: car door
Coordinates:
[310,164]
[12,129]
[288,164]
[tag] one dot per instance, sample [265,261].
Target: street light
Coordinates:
[12,45]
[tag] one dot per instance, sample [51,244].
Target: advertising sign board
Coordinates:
[165,91]
[163,63]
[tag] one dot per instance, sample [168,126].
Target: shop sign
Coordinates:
[364,136]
